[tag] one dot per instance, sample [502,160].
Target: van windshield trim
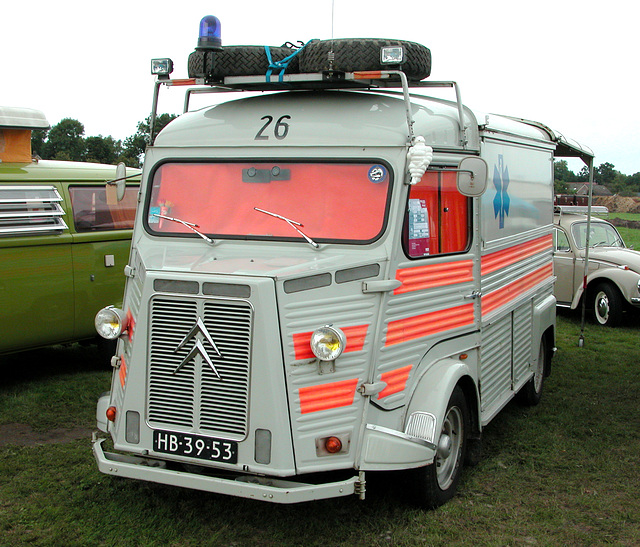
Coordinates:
[333,201]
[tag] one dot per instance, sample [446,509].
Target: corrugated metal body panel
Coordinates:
[522,330]
[125,346]
[512,271]
[429,306]
[326,402]
[496,358]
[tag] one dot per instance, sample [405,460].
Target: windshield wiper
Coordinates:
[293,224]
[189,225]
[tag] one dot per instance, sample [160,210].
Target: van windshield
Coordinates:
[337,202]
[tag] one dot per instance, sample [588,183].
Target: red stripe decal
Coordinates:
[355,341]
[435,275]
[506,257]
[396,381]
[411,328]
[327,396]
[131,324]
[123,371]
[504,295]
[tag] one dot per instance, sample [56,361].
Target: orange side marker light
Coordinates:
[333,445]
[111,413]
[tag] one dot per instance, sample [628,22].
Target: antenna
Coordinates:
[333,14]
[331,55]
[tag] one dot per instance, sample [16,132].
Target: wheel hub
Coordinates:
[444,446]
[603,306]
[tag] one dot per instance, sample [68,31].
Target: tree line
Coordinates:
[66,141]
[605,174]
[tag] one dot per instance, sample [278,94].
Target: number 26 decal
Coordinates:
[280,129]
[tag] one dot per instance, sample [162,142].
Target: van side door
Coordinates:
[101,243]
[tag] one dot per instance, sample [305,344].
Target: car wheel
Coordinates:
[531,393]
[437,483]
[607,305]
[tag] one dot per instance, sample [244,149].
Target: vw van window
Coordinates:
[337,202]
[92,213]
[602,235]
[437,217]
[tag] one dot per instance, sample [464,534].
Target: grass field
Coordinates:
[562,473]
[630,236]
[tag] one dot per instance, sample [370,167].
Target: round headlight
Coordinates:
[327,343]
[110,322]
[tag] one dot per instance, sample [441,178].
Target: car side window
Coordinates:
[561,241]
[92,213]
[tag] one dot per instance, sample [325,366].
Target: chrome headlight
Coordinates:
[328,343]
[110,322]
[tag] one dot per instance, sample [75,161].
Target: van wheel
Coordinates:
[355,54]
[531,393]
[607,305]
[437,483]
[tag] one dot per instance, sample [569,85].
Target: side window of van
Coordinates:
[437,217]
[92,213]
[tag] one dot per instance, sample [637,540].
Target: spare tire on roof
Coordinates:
[358,54]
[239,61]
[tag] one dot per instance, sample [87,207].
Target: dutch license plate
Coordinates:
[195,446]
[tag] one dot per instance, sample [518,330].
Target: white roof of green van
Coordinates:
[52,170]
[22,118]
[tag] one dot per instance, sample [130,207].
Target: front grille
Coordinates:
[187,394]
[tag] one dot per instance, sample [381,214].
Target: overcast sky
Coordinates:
[572,65]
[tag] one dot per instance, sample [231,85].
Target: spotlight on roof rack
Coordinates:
[209,37]
[391,55]
[162,67]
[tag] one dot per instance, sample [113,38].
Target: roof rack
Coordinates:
[370,79]
[581,209]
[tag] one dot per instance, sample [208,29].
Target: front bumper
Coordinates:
[244,486]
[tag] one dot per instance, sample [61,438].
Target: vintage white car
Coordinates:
[613,277]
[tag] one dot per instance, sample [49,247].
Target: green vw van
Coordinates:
[63,243]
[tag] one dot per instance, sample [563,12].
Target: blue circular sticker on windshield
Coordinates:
[377,174]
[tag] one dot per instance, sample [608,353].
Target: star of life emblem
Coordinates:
[199,348]
[501,201]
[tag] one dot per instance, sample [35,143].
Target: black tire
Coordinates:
[356,54]
[531,392]
[437,483]
[239,61]
[607,305]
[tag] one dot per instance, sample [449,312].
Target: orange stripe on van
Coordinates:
[327,396]
[426,324]
[123,371]
[506,257]
[434,275]
[396,381]
[355,341]
[506,294]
